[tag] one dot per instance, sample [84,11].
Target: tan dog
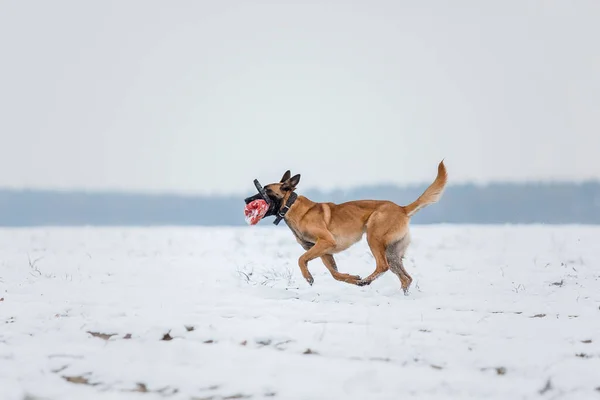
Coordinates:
[324,229]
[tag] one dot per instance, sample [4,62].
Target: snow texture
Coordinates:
[495,312]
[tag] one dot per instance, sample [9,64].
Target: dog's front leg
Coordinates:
[321,247]
[329,262]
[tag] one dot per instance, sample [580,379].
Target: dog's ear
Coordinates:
[291,183]
[285,176]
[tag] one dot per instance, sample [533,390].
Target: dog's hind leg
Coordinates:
[377,246]
[395,254]
[329,262]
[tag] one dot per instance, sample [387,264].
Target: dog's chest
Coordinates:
[304,239]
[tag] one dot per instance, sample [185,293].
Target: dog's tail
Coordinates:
[432,194]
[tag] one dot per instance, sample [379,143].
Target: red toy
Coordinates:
[255,210]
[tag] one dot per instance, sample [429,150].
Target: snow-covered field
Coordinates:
[495,312]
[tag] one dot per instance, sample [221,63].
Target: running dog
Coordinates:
[324,229]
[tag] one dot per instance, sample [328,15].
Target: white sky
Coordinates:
[204,96]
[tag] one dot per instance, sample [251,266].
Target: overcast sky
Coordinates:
[204,96]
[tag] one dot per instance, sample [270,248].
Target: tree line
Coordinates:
[497,203]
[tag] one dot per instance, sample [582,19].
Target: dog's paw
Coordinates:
[363,282]
[310,280]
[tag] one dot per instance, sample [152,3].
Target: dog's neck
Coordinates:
[299,207]
[292,218]
[287,203]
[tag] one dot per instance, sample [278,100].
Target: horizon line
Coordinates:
[172,193]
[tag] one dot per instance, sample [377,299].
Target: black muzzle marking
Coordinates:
[273,203]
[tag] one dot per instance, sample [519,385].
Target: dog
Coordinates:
[325,229]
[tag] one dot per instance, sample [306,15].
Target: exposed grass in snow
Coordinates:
[495,312]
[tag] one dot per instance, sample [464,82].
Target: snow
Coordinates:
[494,312]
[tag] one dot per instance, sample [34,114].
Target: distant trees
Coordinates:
[553,203]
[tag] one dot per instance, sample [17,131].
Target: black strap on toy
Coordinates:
[262,192]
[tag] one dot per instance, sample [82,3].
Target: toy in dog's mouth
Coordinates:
[255,211]
[260,205]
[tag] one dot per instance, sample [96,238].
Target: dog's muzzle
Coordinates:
[262,194]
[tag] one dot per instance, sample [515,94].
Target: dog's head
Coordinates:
[276,192]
